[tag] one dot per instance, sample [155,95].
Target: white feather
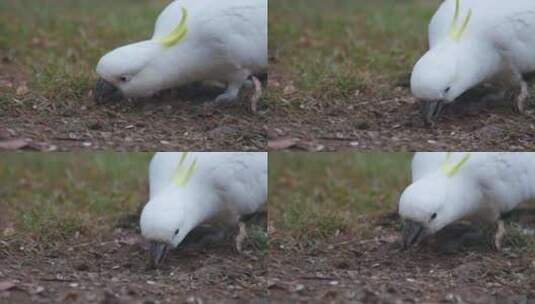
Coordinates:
[498,41]
[224,187]
[486,186]
[226,42]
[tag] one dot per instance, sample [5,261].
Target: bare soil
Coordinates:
[115,270]
[375,269]
[170,121]
[391,121]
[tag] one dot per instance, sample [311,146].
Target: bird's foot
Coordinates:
[521,98]
[231,94]
[240,237]
[226,98]
[254,97]
[499,235]
[223,100]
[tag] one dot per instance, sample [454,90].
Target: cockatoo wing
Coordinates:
[506,178]
[514,37]
[242,182]
[235,28]
[244,28]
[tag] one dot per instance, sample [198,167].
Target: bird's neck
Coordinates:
[184,63]
[464,198]
[479,61]
[198,205]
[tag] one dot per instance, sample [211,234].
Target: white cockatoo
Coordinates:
[200,188]
[452,186]
[193,40]
[474,42]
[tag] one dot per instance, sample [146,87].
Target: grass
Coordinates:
[57,43]
[319,195]
[519,239]
[332,49]
[51,197]
[315,196]
[258,238]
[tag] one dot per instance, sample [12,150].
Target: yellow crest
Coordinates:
[450,169]
[456,31]
[183,173]
[179,33]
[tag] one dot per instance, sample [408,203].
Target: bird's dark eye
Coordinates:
[447,90]
[433,216]
[176,232]
[123,78]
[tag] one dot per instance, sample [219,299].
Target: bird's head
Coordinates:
[423,206]
[437,200]
[129,71]
[140,69]
[447,70]
[168,217]
[436,76]
[164,224]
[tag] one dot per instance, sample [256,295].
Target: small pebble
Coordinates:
[82,267]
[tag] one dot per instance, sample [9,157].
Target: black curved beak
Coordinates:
[413,233]
[431,110]
[158,251]
[106,92]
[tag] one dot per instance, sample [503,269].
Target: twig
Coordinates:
[338,138]
[318,278]
[56,280]
[67,138]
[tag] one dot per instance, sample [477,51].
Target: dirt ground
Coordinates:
[114,269]
[171,121]
[351,269]
[391,122]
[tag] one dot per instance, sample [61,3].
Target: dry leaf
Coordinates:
[289,89]
[13,144]
[280,144]
[22,90]
[39,289]
[6,133]
[130,241]
[71,297]
[6,285]
[8,232]
[6,84]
